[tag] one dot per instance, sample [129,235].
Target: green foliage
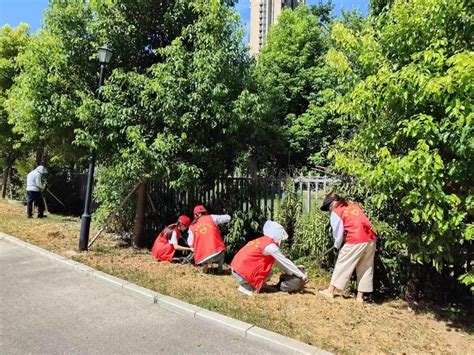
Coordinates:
[377,6]
[288,210]
[312,237]
[179,120]
[182,107]
[55,67]
[468,280]
[140,29]
[13,42]
[412,152]
[243,227]
[108,199]
[59,67]
[308,234]
[295,88]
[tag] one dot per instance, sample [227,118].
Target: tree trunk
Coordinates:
[40,154]
[6,175]
[137,238]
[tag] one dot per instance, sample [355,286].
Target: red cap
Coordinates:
[184,220]
[199,208]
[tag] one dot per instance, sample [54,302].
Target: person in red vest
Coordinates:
[205,237]
[167,241]
[252,265]
[349,222]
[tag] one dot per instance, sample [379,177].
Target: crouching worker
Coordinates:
[253,263]
[167,241]
[348,218]
[205,237]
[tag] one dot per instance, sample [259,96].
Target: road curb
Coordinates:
[177,306]
[260,334]
[111,280]
[140,292]
[235,326]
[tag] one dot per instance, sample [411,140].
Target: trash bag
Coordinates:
[292,283]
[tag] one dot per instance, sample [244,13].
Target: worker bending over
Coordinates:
[166,243]
[205,237]
[348,220]
[253,263]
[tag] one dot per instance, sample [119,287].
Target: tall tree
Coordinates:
[55,68]
[295,88]
[13,42]
[413,151]
[377,6]
[137,29]
[60,65]
[178,120]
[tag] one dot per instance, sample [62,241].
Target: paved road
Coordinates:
[48,308]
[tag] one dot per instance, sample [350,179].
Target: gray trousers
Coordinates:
[245,284]
[218,258]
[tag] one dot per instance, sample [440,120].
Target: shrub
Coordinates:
[243,227]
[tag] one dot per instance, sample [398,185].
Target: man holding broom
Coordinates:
[34,188]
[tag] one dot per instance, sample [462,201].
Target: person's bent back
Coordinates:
[205,237]
[252,265]
[166,242]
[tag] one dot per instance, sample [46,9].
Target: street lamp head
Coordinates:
[105,53]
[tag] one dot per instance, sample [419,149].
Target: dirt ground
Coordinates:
[342,325]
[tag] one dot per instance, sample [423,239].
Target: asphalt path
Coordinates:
[49,308]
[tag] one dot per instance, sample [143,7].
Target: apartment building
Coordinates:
[263,14]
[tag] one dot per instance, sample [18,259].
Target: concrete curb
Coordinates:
[235,326]
[177,306]
[140,292]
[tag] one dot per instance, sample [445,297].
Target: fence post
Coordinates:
[265,195]
[272,200]
[308,198]
[246,194]
[301,190]
[317,188]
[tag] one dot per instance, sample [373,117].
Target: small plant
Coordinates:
[468,280]
[243,227]
[289,210]
[312,237]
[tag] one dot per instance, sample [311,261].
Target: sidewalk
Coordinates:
[49,307]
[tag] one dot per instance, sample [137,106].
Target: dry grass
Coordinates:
[342,325]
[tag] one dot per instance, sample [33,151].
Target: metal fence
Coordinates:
[312,190]
[230,194]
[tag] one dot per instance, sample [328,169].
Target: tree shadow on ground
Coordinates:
[457,316]
[276,288]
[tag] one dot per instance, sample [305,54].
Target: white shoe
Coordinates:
[245,291]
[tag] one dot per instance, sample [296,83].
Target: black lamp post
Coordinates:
[104,57]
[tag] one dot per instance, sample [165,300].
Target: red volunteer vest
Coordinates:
[162,250]
[252,264]
[207,238]
[356,224]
